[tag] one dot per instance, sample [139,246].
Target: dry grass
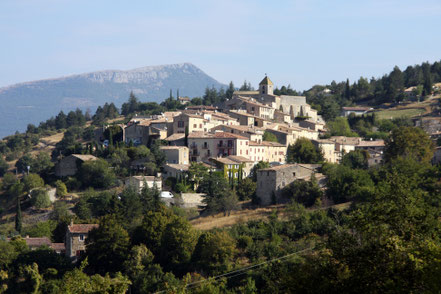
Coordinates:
[239,216]
[242,216]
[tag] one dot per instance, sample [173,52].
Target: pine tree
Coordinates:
[347,89]
[18,217]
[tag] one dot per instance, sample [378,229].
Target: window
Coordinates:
[195,126]
[200,126]
[247,152]
[81,237]
[180,124]
[293,174]
[240,152]
[208,152]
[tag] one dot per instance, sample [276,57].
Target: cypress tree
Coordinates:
[18,217]
[171,95]
[177,94]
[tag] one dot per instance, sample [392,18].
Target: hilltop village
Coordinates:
[160,196]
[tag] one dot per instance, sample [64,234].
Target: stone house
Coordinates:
[174,170]
[328,149]
[204,145]
[176,140]
[184,100]
[357,110]
[251,132]
[188,121]
[36,242]
[234,167]
[69,165]
[176,154]
[266,151]
[76,236]
[138,182]
[271,181]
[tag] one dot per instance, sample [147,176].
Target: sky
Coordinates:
[301,43]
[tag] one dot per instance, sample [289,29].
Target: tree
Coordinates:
[40,198]
[345,184]
[196,173]
[409,142]
[268,136]
[23,163]
[177,244]
[3,166]
[32,181]
[214,252]
[107,246]
[18,217]
[427,77]
[230,90]
[340,127]
[356,159]
[305,192]
[246,189]
[61,189]
[96,174]
[219,197]
[304,151]
[395,84]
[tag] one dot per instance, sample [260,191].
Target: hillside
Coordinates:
[32,102]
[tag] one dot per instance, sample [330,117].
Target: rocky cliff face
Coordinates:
[32,102]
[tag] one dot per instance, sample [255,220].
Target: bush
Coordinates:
[40,199]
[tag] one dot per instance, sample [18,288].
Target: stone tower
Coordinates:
[266,87]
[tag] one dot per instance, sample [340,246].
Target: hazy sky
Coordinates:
[301,43]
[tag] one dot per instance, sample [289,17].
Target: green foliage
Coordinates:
[40,198]
[3,166]
[41,229]
[357,159]
[96,174]
[409,142]
[214,252]
[340,127]
[197,172]
[219,197]
[246,189]
[268,136]
[32,181]
[102,257]
[307,193]
[304,151]
[61,189]
[18,217]
[345,184]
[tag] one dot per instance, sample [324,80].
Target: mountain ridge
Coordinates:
[35,101]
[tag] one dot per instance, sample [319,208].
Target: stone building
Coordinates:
[271,181]
[175,154]
[138,182]
[76,236]
[69,165]
[204,145]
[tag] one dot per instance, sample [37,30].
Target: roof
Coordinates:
[175,137]
[346,140]
[84,157]
[266,81]
[146,178]
[201,107]
[196,135]
[266,143]
[285,166]
[173,147]
[184,98]
[223,160]
[175,166]
[245,92]
[357,108]
[58,246]
[376,143]
[238,158]
[81,228]
[37,242]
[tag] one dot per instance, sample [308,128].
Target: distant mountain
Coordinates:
[32,102]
